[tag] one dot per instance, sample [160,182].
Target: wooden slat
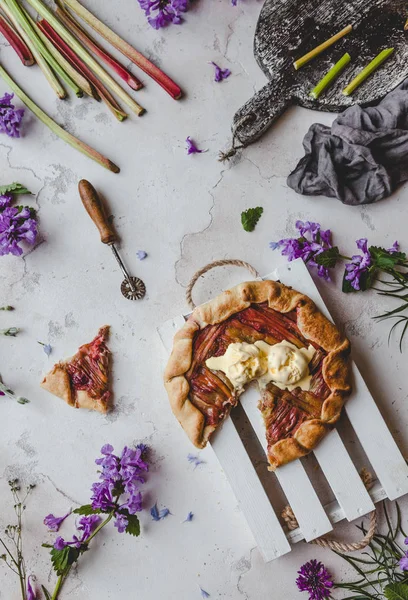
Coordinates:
[241,474]
[293,479]
[343,477]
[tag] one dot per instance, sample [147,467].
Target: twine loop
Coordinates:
[236,143]
[212,265]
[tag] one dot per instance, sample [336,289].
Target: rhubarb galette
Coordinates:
[83,380]
[266,332]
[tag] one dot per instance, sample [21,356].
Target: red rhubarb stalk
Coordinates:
[76,62]
[127,50]
[92,45]
[22,50]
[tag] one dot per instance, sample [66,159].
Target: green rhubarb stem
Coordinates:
[330,76]
[367,71]
[300,62]
[67,137]
[49,16]
[39,59]
[127,50]
[75,77]
[36,40]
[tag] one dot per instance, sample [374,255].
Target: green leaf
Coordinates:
[133,526]
[396,591]
[250,217]
[61,559]
[383,259]
[46,593]
[366,281]
[87,509]
[327,258]
[13,188]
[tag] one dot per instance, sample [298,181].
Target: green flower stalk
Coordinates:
[73,43]
[5,391]
[367,71]
[67,137]
[330,76]
[303,60]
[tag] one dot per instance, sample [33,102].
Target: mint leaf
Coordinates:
[61,559]
[87,509]
[383,259]
[396,591]
[250,217]
[327,258]
[133,526]
[13,188]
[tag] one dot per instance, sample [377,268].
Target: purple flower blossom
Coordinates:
[30,591]
[195,460]
[121,522]
[16,225]
[10,119]
[220,74]
[359,265]
[189,518]
[141,254]
[54,523]
[192,148]
[204,594]
[403,562]
[86,524]
[168,11]
[394,247]
[314,579]
[312,241]
[46,347]
[158,515]
[5,200]
[59,543]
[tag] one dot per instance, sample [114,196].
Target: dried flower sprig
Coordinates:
[13,540]
[6,391]
[10,331]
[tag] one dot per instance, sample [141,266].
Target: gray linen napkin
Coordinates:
[362,157]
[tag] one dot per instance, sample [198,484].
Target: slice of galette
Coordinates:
[270,333]
[83,380]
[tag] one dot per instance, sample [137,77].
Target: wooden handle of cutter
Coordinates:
[94,208]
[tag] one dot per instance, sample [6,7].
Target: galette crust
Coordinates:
[313,325]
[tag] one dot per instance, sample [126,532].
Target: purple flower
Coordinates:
[30,592]
[59,543]
[121,522]
[204,594]
[220,74]
[87,524]
[314,579]
[192,148]
[168,11]
[403,562]
[16,225]
[141,254]
[359,265]
[5,200]
[394,247]
[10,119]
[189,518]
[158,515]
[234,2]
[54,523]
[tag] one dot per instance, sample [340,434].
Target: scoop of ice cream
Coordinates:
[241,363]
[287,364]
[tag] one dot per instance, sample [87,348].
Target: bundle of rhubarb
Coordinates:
[64,51]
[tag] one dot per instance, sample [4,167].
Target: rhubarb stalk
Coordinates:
[15,41]
[330,76]
[300,62]
[67,137]
[366,72]
[36,41]
[66,51]
[76,47]
[92,45]
[136,57]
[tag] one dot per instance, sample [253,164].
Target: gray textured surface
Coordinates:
[287,29]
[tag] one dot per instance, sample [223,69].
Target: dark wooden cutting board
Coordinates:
[287,29]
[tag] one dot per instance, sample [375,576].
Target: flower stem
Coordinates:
[8,392]
[300,62]
[100,526]
[127,50]
[330,76]
[67,137]
[367,71]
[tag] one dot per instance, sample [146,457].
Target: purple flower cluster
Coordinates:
[5,200]
[120,479]
[220,74]
[168,11]
[359,264]
[403,562]
[85,525]
[312,241]
[16,225]
[10,119]
[314,579]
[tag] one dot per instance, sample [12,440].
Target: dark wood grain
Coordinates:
[287,29]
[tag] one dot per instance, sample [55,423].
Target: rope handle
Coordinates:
[212,265]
